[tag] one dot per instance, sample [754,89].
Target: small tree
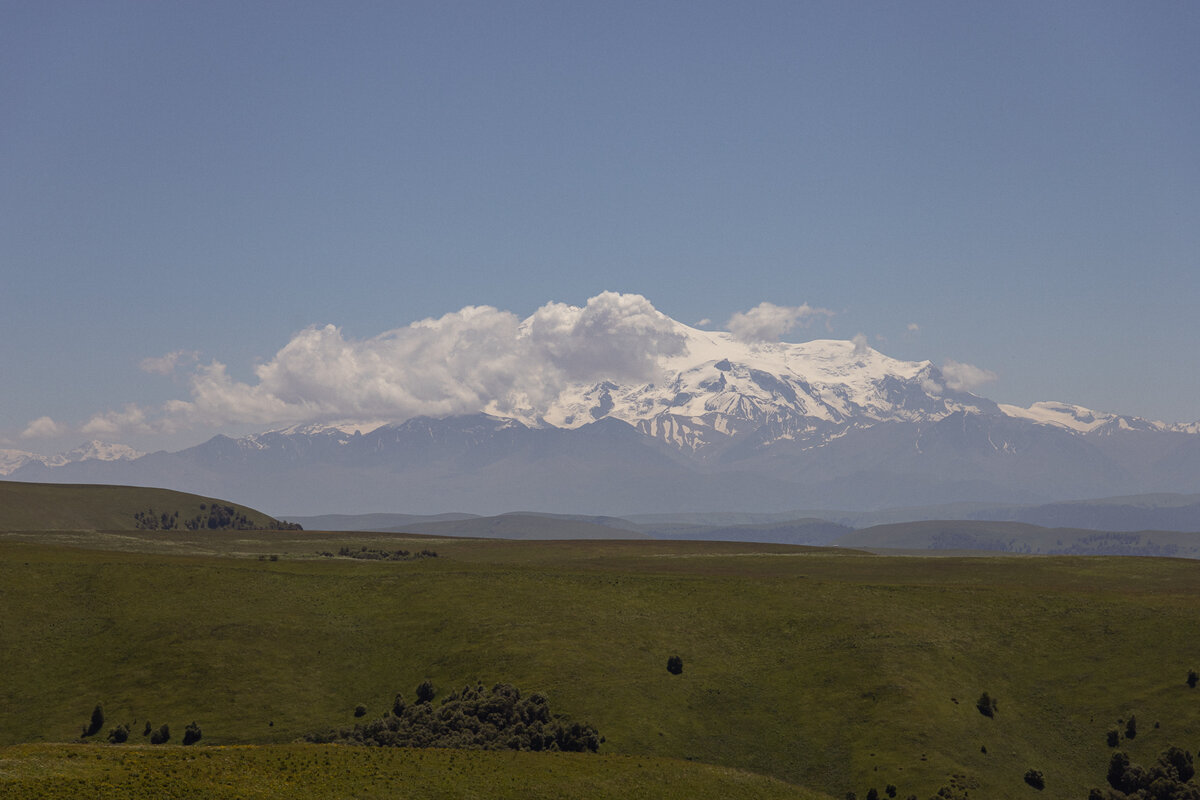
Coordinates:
[97,722]
[162,735]
[1114,737]
[360,710]
[675,665]
[1192,678]
[890,790]
[1034,778]
[425,692]
[191,734]
[1131,727]
[119,734]
[986,705]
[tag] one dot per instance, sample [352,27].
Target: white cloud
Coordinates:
[130,420]
[475,359]
[43,427]
[767,322]
[965,377]
[913,328]
[861,348]
[165,365]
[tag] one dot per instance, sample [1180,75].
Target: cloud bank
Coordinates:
[475,359]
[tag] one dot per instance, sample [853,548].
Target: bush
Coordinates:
[425,692]
[360,710]
[1034,778]
[1131,728]
[119,734]
[1114,737]
[986,705]
[675,665]
[191,734]
[162,735]
[97,722]
[1192,678]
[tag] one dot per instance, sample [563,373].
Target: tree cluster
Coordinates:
[376,554]
[1168,779]
[212,516]
[474,718]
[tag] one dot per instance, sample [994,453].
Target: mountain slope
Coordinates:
[720,425]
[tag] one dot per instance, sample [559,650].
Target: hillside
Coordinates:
[831,670]
[1020,537]
[33,506]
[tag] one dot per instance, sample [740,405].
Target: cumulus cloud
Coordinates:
[965,377]
[165,365]
[132,419]
[475,359]
[861,348]
[767,322]
[42,427]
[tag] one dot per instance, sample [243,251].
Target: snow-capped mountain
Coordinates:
[13,460]
[721,424]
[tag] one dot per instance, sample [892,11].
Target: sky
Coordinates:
[192,194]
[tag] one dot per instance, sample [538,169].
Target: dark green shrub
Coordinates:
[1131,728]
[675,665]
[1192,678]
[1114,737]
[192,734]
[872,793]
[986,705]
[425,692]
[146,732]
[890,790]
[162,735]
[1035,779]
[97,722]
[360,710]
[119,734]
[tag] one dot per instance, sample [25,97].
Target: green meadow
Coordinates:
[806,672]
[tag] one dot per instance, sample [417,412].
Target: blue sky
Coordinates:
[1014,186]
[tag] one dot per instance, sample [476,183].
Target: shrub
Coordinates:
[162,735]
[986,705]
[872,794]
[146,732]
[119,734]
[191,734]
[675,665]
[1192,678]
[1131,727]
[97,722]
[1034,778]
[1114,737]
[890,790]
[360,710]
[425,692]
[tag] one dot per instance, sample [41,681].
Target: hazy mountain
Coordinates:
[725,425]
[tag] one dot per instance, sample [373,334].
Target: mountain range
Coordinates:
[719,424]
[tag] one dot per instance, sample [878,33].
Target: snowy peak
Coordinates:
[1085,420]
[13,460]
[718,387]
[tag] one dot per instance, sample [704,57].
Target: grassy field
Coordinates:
[282,772]
[830,670]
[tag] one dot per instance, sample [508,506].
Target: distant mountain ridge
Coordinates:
[723,425]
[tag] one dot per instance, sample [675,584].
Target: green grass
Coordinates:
[825,669]
[65,507]
[284,772]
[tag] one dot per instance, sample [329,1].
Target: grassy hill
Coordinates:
[1020,537]
[55,506]
[830,670]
